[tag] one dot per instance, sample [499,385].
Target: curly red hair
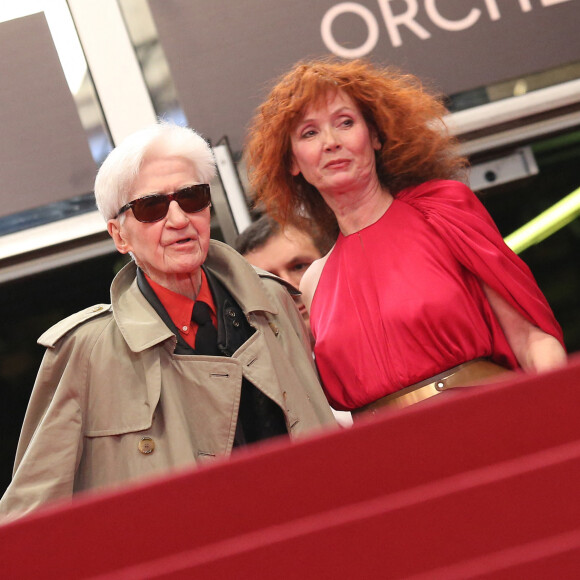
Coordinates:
[409,122]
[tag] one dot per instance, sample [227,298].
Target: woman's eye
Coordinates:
[309,133]
[347,122]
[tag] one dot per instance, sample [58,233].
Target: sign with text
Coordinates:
[224,54]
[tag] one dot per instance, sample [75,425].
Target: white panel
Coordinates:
[52,234]
[507,110]
[504,169]
[232,187]
[114,67]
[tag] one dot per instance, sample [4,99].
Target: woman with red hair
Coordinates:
[420,293]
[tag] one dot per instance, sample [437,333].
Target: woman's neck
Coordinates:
[355,211]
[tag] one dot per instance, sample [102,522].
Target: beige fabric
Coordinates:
[109,378]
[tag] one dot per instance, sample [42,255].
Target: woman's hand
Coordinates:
[535,350]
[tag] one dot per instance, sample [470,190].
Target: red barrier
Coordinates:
[482,483]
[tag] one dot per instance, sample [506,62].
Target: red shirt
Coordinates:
[180,307]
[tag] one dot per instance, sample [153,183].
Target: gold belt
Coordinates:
[462,375]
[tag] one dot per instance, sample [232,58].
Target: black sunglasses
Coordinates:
[154,207]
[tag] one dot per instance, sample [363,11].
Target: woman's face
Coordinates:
[333,147]
[176,246]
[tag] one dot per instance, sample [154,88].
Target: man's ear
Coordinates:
[116,232]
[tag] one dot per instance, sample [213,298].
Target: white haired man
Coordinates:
[195,355]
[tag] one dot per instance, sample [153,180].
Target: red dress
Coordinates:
[401,300]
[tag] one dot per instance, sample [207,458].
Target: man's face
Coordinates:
[174,247]
[287,254]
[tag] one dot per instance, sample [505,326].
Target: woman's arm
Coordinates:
[535,350]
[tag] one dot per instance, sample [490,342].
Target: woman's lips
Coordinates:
[337,164]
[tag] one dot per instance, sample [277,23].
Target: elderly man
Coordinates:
[195,355]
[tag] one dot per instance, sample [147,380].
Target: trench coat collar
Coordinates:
[140,324]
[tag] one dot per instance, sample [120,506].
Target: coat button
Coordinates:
[146,445]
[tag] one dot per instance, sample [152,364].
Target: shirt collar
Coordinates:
[180,307]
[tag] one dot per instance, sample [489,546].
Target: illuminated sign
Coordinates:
[223,55]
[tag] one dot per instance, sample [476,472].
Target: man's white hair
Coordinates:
[121,167]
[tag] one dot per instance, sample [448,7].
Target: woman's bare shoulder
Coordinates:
[310,279]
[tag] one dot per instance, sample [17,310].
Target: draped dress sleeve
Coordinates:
[465,225]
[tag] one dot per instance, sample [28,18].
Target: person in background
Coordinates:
[419,294]
[287,253]
[195,356]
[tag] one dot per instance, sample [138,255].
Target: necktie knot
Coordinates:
[206,337]
[201,313]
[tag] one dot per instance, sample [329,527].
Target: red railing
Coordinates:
[482,484]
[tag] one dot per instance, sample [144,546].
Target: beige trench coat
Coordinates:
[109,378]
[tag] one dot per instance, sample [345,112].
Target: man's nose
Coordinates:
[291,277]
[175,215]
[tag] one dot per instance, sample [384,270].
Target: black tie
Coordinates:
[206,337]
